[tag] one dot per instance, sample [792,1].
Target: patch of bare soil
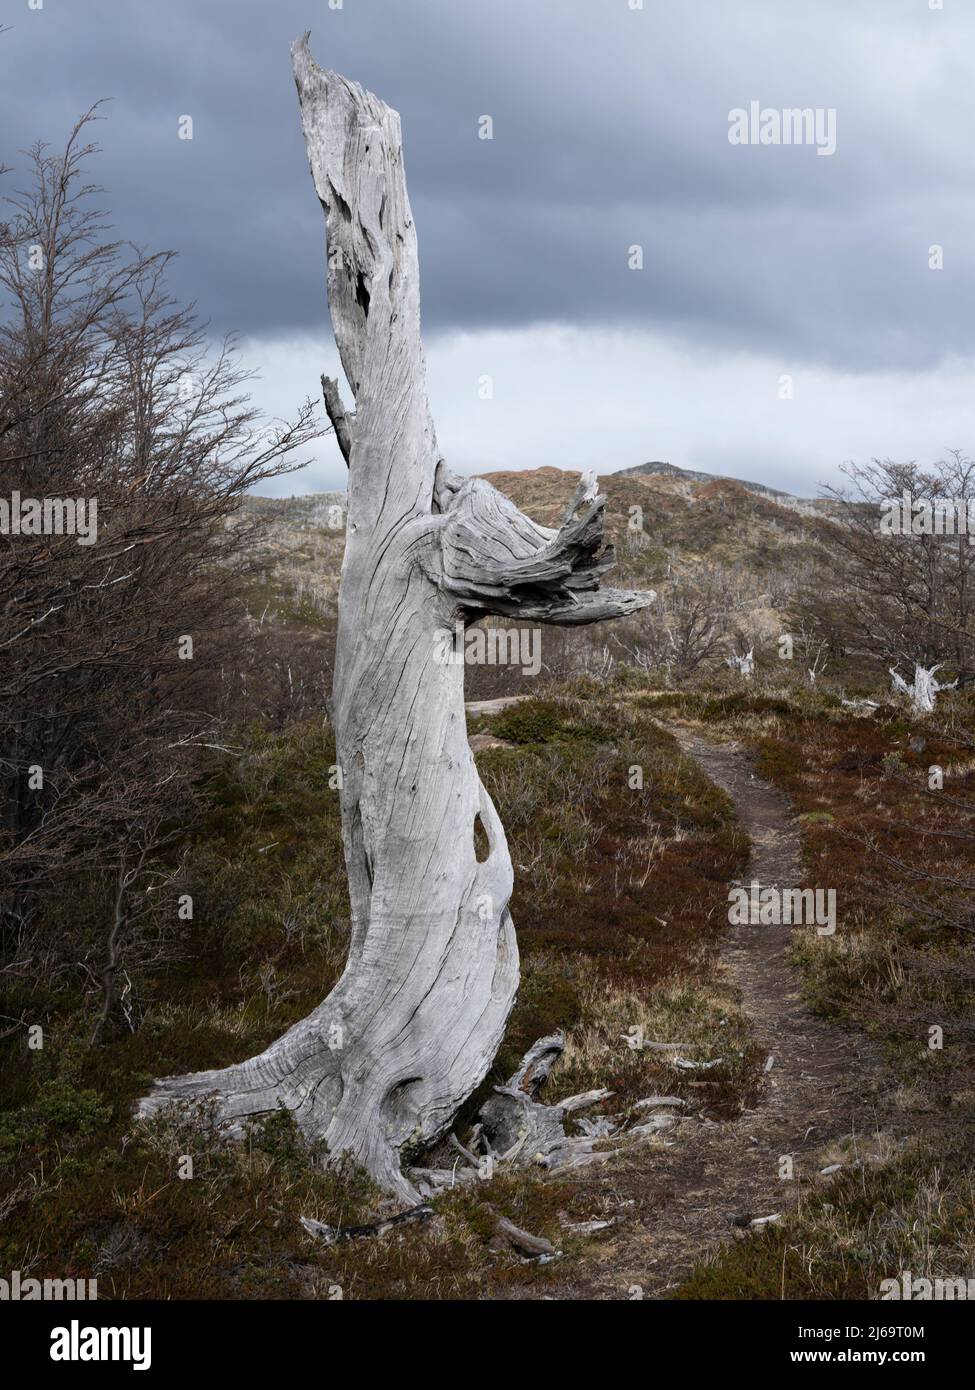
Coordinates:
[676,1202]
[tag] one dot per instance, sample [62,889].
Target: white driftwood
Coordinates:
[584,1100]
[523,1130]
[431,1180]
[923,693]
[759,1222]
[743,663]
[587,1228]
[414,1023]
[655,1125]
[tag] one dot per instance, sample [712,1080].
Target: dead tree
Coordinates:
[924,690]
[382,1065]
[742,662]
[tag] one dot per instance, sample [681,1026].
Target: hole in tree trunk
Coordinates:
[482,846]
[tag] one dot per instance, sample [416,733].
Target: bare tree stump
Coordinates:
[924,690]
[383,1064]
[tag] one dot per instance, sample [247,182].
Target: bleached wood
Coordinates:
[743,663]
[925,689]
[336,412]
[384,1062]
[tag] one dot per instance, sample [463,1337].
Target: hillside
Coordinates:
[733,552]
[654,512]
[655,515]
[813,506]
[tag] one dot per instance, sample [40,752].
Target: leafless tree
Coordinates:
[686,629]
[115,622]
[904,596]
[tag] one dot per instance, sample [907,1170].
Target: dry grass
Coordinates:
[619,907]
[895,1207]
[896,967]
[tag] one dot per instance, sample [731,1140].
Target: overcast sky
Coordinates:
[610,130]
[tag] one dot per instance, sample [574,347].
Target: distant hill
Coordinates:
[750,548]
[538,486]
[314,509]
[659,518]
[659,469]
[658,514]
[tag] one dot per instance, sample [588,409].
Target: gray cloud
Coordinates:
[610,129]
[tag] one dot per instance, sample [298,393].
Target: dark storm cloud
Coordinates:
[610,129]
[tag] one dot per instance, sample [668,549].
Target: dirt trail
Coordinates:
[678,1203]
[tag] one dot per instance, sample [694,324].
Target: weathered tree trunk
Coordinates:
[416,1019]
[744,664]
[925,690]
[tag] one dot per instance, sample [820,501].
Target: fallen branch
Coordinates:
[523,1129]
[333,1235]
[583,1101]
[464,1152]
[523,1240]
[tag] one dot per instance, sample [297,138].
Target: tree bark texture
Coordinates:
[382,1065]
